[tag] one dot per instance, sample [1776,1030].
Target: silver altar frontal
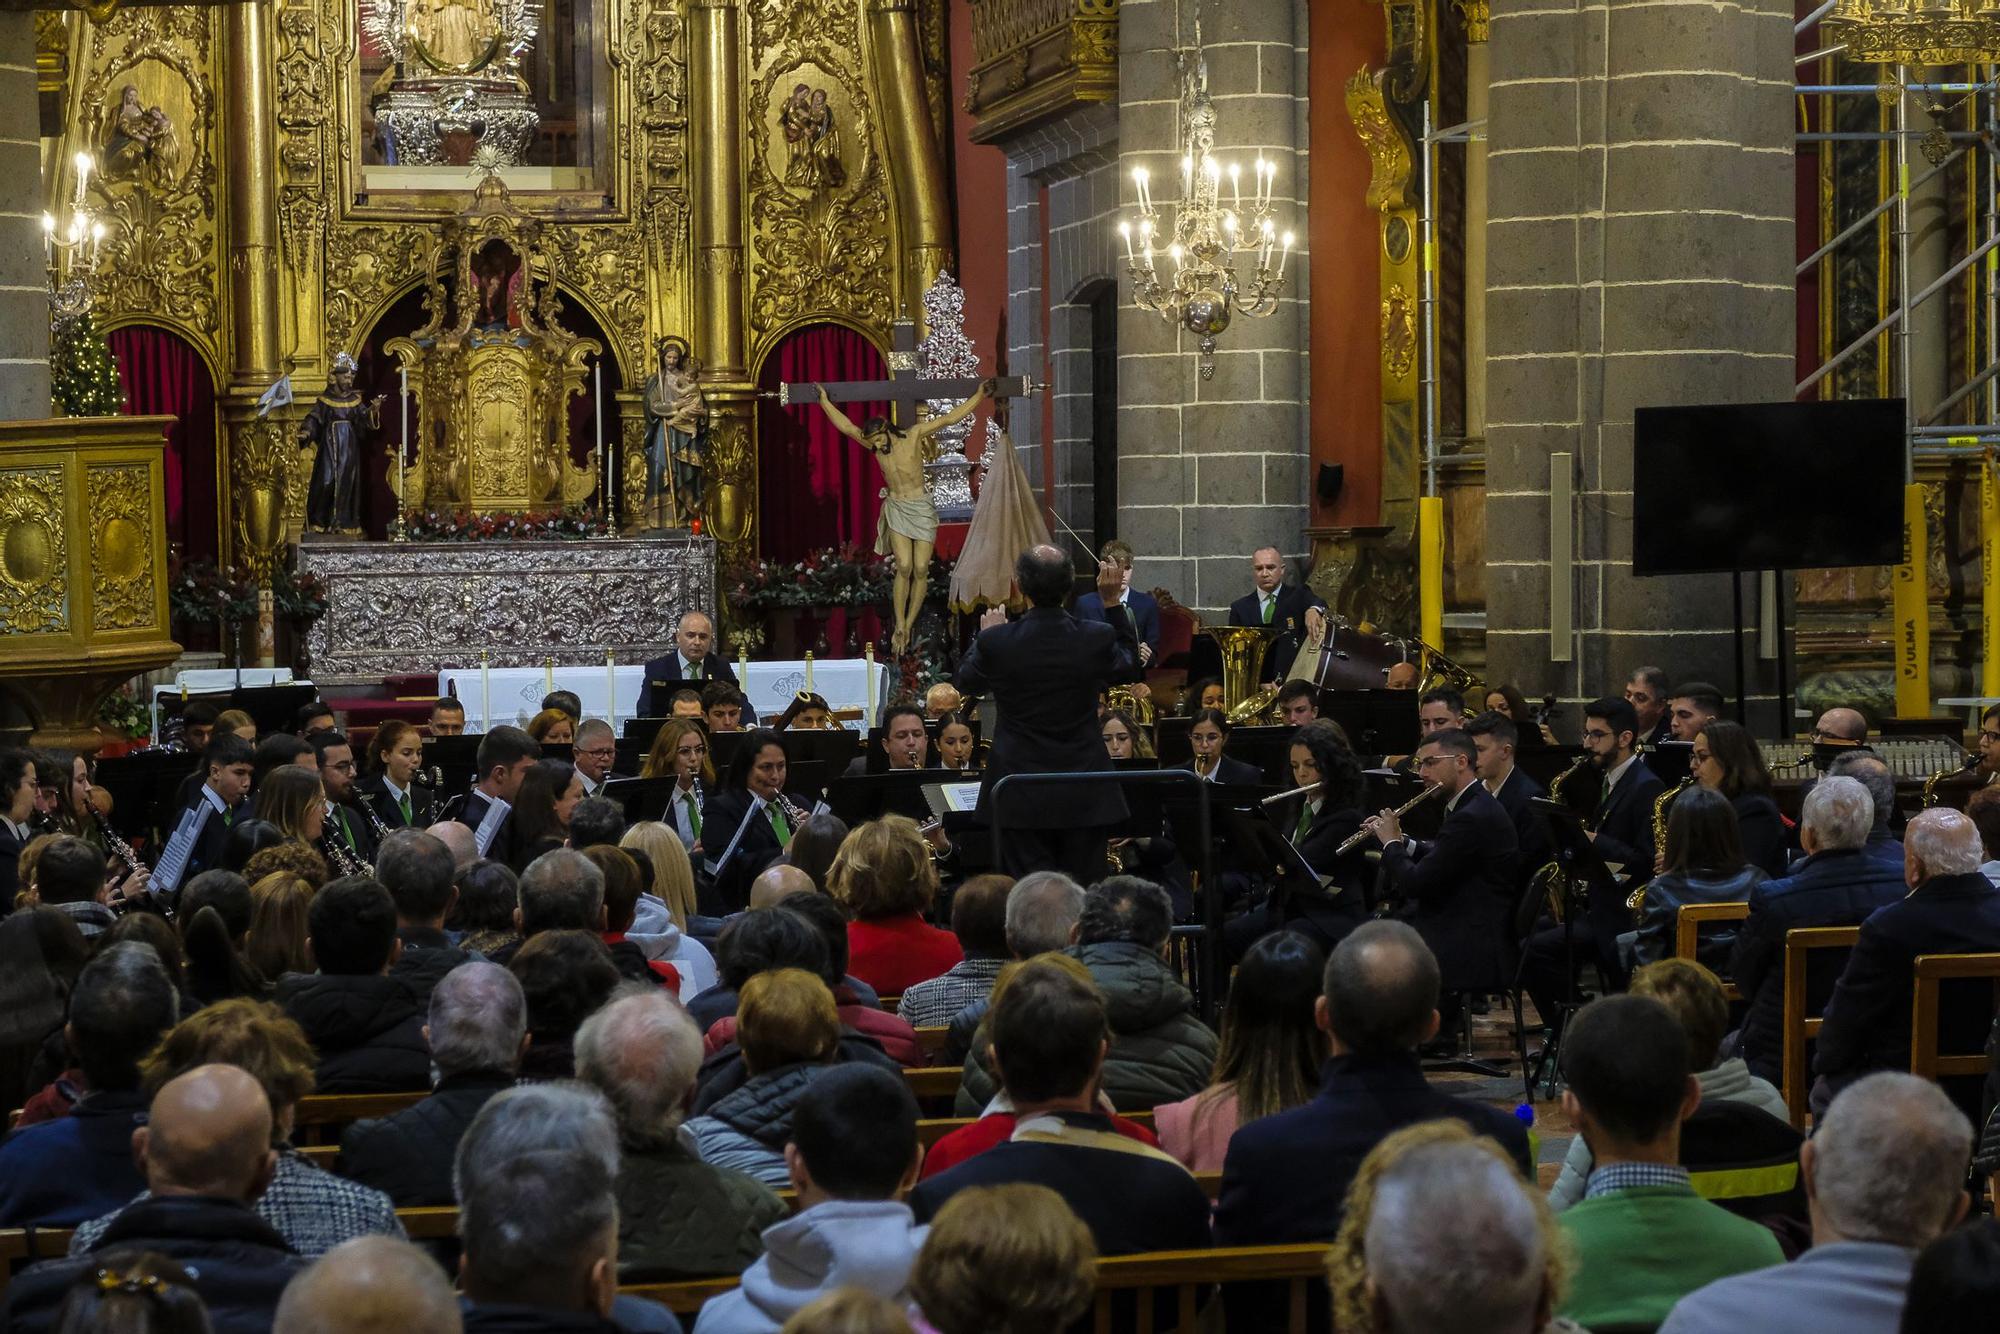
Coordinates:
[423,606]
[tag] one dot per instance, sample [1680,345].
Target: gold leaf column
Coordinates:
[715,80]
[923,212]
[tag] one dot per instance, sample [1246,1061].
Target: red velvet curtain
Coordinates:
[816,488]
[163,375]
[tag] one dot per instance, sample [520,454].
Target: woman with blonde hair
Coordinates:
[237,721]
[294,800]
[789,1031]
[312,1209]
[884,877]
[553,727]
[1008,1259]
[279,904]
[672,898]
[680,752]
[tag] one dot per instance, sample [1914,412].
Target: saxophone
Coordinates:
[1550,876]
[1931,783]
[1636,901]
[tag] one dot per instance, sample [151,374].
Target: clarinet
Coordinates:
[375,822]
[123,852]
[343,858]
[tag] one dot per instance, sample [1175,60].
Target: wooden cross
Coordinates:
[904,390]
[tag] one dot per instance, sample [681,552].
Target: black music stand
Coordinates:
[1377,722]
[1580,865]
[641,798]
[1670,761]
[452,763]
[143,784]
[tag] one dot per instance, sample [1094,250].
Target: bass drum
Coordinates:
[1350,661]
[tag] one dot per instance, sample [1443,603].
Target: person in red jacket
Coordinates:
[886,880]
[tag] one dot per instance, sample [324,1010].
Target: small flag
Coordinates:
[279,395]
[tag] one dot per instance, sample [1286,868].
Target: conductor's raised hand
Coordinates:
[1110,582]
[994,616]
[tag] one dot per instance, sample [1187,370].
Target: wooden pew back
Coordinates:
[1814,956]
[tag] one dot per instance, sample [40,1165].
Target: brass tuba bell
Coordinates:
[1243,648]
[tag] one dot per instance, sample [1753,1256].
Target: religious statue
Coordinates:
[141,144]
[812,141]
[338,422]
[909,522]
[676,436]
[455,32]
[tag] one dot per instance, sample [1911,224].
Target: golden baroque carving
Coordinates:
[655,53]
[34,553]
[364,265]
[1477,16]
[270,470]
[1399,331]
[121,546]
[1388,149]
[732,472]
[632,486]
[788,27]
[158,254]
[605,263]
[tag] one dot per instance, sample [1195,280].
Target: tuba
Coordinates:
[1126,700]
[1243,648]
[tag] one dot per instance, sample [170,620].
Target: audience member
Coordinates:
[596,822]
[853,1153]
[458,839]
[477,1031]
[789,1033]
[1270,1056]
[62,1093]
[979,922]
[1951,909]
[1008,1259]
[849,1311]
[41,954]
[621,900]
[1442,1236]
[566,976]
[313,1210]
[1051,1033]
[216,967]
[1695,997]
[291,857]
[1839,883]
[1869,770]
[1885,1175]
[778,882]
[63,1171]
[1641,1236]
[489,905]
[664,922]
[1043,909]
[206,1154]
[678,1217]
[561,890]
[371,1285]
[537,1176]
[815,843]
[417,870]
[364,1024]
[69,877]
[280,925]
[752,943]
[1702,861]
[225,891]
[1983,809]
[1160,1052]
[884,876]
[133,1292]
[1955,1283]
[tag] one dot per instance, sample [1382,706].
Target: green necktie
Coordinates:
[228,817]
[1305,823]
[404,802]
[778,825]
[694,813]
[346,834]
[694,671]
[1269,607]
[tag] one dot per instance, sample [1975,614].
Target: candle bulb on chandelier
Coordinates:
[1125,232]
[1140,180]
[1187,175]
[96,240]
[1236,186]
[1284,255]
[83,165]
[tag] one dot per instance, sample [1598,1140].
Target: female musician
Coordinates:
[1511,704]
[1207,693]
[390,789]
[749,821]
[810,713]
[1124,739]
[955,743]
[680,752]
[239,722]
[540,820]
[1208,736]
[1317,823]
[1704,864]
[294,800]
[1726,760]
[552,727]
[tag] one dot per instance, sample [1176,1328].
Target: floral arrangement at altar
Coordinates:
[464,525]
[298,596]
[200,592]
[848,575]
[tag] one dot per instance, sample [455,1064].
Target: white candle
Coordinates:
[1285,255]
[548,676]
[868,710]
[1125,231]
[809,673]
[403,452]
[742,667]
[485,691]
[1236,186]
[611,688]
[597,405]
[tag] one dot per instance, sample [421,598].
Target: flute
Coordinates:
[1361,835]
[1313,786]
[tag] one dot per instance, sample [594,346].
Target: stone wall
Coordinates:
[24,303]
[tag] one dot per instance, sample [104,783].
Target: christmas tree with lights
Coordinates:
[83,375]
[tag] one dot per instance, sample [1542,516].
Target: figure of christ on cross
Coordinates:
[901,445]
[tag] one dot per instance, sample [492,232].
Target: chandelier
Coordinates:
[1915,32]
[1204,238]
[70,251]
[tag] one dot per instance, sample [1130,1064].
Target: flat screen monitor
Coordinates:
[1767,486]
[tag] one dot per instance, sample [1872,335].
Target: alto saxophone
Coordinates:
[1635,902]
[1550,874]
[1931,784]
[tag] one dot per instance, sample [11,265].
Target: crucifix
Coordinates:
[901,444]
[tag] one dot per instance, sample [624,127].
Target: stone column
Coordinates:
[1640,252]
[24,302]
[1210,470]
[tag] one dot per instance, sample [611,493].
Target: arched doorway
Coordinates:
[162,374]
[815,487]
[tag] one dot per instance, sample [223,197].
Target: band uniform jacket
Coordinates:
[1624,826]
[663,677]
[423,804]
[1288,618]
[1344,905]
[722,815]
[1232,773]
[1531,834]
[1145,609]
[1045,672]
[1459,890]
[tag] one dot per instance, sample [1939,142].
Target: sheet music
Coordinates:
[489,825]
[180,847]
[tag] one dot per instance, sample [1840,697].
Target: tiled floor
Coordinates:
[1493,1042]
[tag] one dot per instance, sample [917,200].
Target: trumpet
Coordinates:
[1362,835]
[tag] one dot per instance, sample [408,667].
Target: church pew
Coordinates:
[936,1082]
[321,1117]
[1961,1073]
[932,1040]
[1688,922]
[1811,953]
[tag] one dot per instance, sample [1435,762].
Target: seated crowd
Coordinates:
[611,1090]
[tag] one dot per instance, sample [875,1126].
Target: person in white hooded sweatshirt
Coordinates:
[852,1156]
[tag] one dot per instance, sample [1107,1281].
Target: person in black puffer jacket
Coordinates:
[1160,1052]
[364,1024]
[790,1032]
[1704,863]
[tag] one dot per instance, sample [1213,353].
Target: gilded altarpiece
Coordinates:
[265,235]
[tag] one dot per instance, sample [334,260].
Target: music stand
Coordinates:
[1290,873]
[454,761]
[641,798]
[1377,722]
[642,731]
[1577,857]
[859,798]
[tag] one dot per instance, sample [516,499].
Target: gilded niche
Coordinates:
[34,555]
[121,546]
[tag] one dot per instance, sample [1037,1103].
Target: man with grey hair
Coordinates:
[1868,769]
[1646,691]
[678,1217]
[536,1178]
[594,751]
[477,1029]
[1455,1243]
[65,1171]
[562,890]
[1884,1175]
[1043,909]
[1839,883]
[370,1285]
[1952,908]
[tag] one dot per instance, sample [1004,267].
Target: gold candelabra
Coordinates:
[70,248]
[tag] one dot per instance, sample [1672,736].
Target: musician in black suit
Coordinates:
[17,805]
[593,753]
[694,660]
[345,818]
[1494,735]
[748,822]
[202,827]
[1142,607]
[1458,889]
[1621,833]
[1317,824]
[395,754]
[1646,691]
[1045,672]
[504,756]
[1209,734]
[1291,610]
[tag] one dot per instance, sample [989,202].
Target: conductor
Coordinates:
[1045,672]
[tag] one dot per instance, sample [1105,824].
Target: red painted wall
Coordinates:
[979,197]
[1345,384]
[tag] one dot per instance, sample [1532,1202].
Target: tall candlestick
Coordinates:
[548,676]
[603,459]
[868,710]
[742,667]
[611,689]
[809,673]
[485,691]
[402,459]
